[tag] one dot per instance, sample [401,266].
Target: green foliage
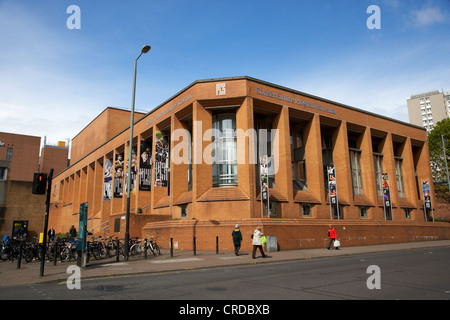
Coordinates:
[438,168]
[442,194]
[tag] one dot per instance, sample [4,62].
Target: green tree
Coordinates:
[438,168]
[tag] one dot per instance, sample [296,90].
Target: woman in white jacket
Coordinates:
[257,242]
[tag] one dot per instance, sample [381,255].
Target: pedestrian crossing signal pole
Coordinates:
[47,209]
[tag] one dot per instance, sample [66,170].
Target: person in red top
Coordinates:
[332,235]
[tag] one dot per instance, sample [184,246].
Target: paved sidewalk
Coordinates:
[29,273]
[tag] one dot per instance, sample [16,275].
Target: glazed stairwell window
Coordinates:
[224,150]
[298,162]
[378,165]
[399,176]
[355,164]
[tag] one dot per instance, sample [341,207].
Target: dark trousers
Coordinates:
[260,250]
[331,242]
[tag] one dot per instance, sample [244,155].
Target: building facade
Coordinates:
[202,159]
[19,159]
[427,109]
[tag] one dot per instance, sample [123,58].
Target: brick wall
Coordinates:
[21,204]
[291,233]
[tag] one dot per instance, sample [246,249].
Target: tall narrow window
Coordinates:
[399,176]
[224,150]
[355,164]
[327,156]
[3,173]
[298,158]
[263,127]
[378,165]
[190,160]
[9,154]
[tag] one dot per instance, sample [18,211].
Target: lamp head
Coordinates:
[145,49]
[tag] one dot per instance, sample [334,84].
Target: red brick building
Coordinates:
[19,160]
[197,168]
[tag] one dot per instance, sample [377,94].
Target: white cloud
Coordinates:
[426,16]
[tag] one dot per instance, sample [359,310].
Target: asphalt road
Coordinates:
[415,274]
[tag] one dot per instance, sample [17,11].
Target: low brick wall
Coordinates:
[291,233]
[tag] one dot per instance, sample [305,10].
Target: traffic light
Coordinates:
[39,183]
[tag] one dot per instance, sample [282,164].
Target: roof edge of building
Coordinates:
[249,79]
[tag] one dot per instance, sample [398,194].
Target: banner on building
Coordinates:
[107,180]
[332,185]
[161,160]
[386,190]
[426,194]
[118,176]
[263,170]
[145,166]
[264,183]
[427,205]
[134,166]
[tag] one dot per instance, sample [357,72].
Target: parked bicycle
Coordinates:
[153,246]
[11,249]
[96,249]
[69,251]
[138,247]
[110,246]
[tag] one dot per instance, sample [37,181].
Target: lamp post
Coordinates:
[445,158]
[145,49]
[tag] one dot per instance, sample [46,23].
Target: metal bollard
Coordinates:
[117,249]
[54,253]
[195,248]
[19,258]
[217,244]
[145,248]
[171,247]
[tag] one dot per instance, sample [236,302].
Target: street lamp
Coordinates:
[445,158]
[145,49]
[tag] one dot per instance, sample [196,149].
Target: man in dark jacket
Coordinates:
[237,238]
[72,233]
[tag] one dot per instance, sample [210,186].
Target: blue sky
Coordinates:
[55,80]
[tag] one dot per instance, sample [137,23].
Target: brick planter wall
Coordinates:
[291,233]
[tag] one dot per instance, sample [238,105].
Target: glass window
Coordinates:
[9,154]
[3,173]
[306,210]
[338,213]
[117,225]
[355,165]
[298,162]
[378,165]
[363,212]
[408,213]
[273,206]
[399,176]
[264,146]
[327,155]
[184,211]
[224,150]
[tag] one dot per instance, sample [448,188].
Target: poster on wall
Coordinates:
[118,176]
[332,185]
[145,166]
[134,165]
[107,180]
[161,160]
